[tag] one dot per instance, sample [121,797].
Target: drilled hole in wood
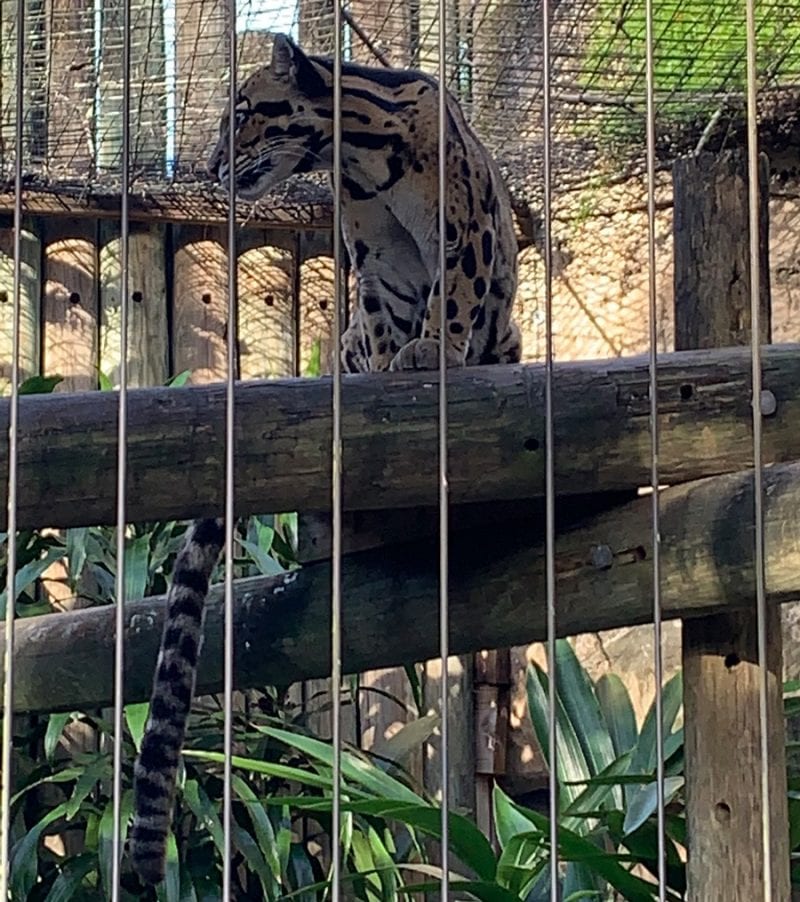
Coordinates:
[531,444]
[269,300]
[686,392]
[640,552]
[323,305]
[74,298]
[732,660]
[206,298]
[722,812]
[3,297]
[138,297]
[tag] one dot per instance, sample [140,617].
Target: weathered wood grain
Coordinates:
[68,444]
[721,669]
[604,580]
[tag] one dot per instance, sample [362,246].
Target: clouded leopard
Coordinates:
[284,126]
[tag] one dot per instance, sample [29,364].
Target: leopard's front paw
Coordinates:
[423,354]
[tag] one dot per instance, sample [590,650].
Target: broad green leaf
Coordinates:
[254,857]
[485,892]
[408,738]
[104,381]
[262,825]
[615,703]
[645,802]
[571,762]
[67,886]
[39,385]
[573,847]
[136,718]
[170,888]
[30,572]
[584,894]
[599,788]
[580,880]
[644,756]
[75,540]
[264,561]
[67,775]
[95,770]
[179,379]
[365,865]
[508,821]
[270,769]
[55,727]
[202,808]
[581,707]
[25,855]
[105,839]
[137,560]
[522,862]
[360,771]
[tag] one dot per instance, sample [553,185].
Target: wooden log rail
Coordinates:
[68,443]
[497,592]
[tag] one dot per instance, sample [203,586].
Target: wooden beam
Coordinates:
[721,673]
[68,444]
[282,628]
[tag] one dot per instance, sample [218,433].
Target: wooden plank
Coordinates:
[147,306]
[201,66]
[200,293]
[148,89]
[177,438]
[316,312]
[71,304]
[30,299]
[266,312]
[70,89]
[282,625]
[721,674]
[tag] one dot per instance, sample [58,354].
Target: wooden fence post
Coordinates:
[30,297]
[720,659]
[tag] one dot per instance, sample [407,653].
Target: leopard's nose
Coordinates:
[213,165]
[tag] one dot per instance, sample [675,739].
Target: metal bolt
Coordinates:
[602,557]
[769,403]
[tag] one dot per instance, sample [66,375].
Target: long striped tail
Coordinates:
[155,770]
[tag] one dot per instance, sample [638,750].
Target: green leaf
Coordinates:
[136,718]
[39,385]
[508,821]
[68,885]
[262,825]
[55,727]
[360,771]
[314,365]
[169,890]
[200,805]
[408,738]
[104,381]
[264,561]
[76,541]
[25,855]
[645,802]
[486,892]
[576,694]
[599,787]
[137,560]
[179,379]
[644,756]
[105,838]
[571,763]
[30,572]
[615,703]
[95,770]
[254,857]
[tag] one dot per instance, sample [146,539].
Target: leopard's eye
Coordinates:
[241,118]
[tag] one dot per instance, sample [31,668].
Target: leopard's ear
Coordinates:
[289,62]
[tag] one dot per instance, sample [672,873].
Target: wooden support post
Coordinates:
[70,304]
[147,304]
[30,295]
[492,700]
[200,303]
[720,660]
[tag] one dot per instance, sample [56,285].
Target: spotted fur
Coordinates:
[283,125]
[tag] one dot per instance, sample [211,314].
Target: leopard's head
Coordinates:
[282,123]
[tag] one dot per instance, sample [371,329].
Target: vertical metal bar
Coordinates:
[658,666]
[444,618]
[122,442]
[758,486]
[550,528]
[13,423]
[229,456]
[336,462]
